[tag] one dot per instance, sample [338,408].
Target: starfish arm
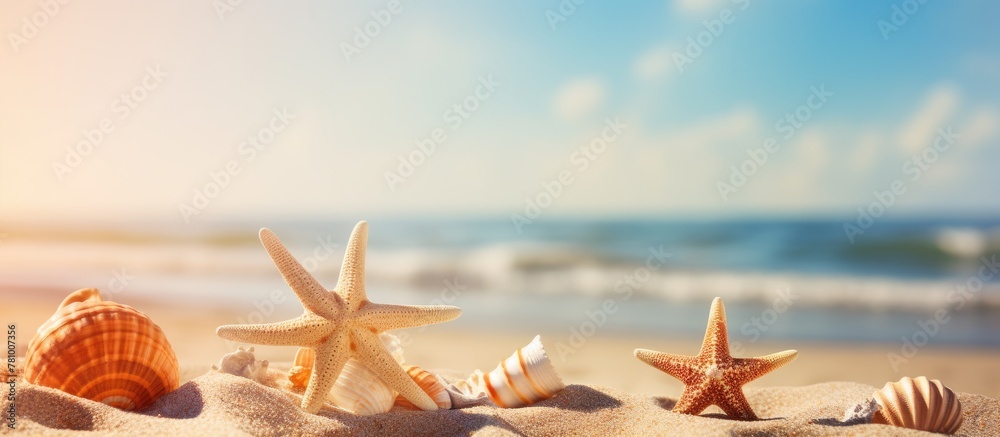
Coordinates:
[678,366]
[750,369]
[351,283]
[330,359]
[716,342]
[314,297]
[692,401]
[385,317]
[372,353]
[736,406]
[304,330]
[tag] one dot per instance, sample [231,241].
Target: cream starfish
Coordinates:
[341,323]
[714,377]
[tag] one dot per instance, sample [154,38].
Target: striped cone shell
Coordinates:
[919,403]
[102,351]
[526,377]
[430,384]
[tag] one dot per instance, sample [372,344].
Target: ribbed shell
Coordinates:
[919,403]
[430,384]
[526,377]
[358,390]
[102,351]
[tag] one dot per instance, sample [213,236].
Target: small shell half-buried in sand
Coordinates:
[919,403]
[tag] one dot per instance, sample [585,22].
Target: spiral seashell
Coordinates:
[102,351]
[526,377]
[430,384]
[360,391]
[919,403]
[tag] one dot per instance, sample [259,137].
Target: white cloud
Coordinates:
[866,151]
[578,98]
[982,126]
[697,7]
[740,124]
[652,64]
[794,178]
[655,171]
[813,153]
[937,108]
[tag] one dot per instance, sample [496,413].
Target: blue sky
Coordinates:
[226,75]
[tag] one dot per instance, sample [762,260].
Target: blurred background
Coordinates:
[828,168]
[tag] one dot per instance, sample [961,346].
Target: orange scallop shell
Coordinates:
[430,384]
[102,351]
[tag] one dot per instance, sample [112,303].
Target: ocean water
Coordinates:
[781,279]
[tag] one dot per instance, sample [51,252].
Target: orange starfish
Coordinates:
[714,377]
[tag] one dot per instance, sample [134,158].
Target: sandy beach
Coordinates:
[610,392]
[221,404]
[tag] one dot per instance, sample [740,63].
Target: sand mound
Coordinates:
[220,404]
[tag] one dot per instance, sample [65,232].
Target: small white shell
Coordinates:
[244,363]
[239,363]
[920,404]
[358,390]
[472,386]
[526,377]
